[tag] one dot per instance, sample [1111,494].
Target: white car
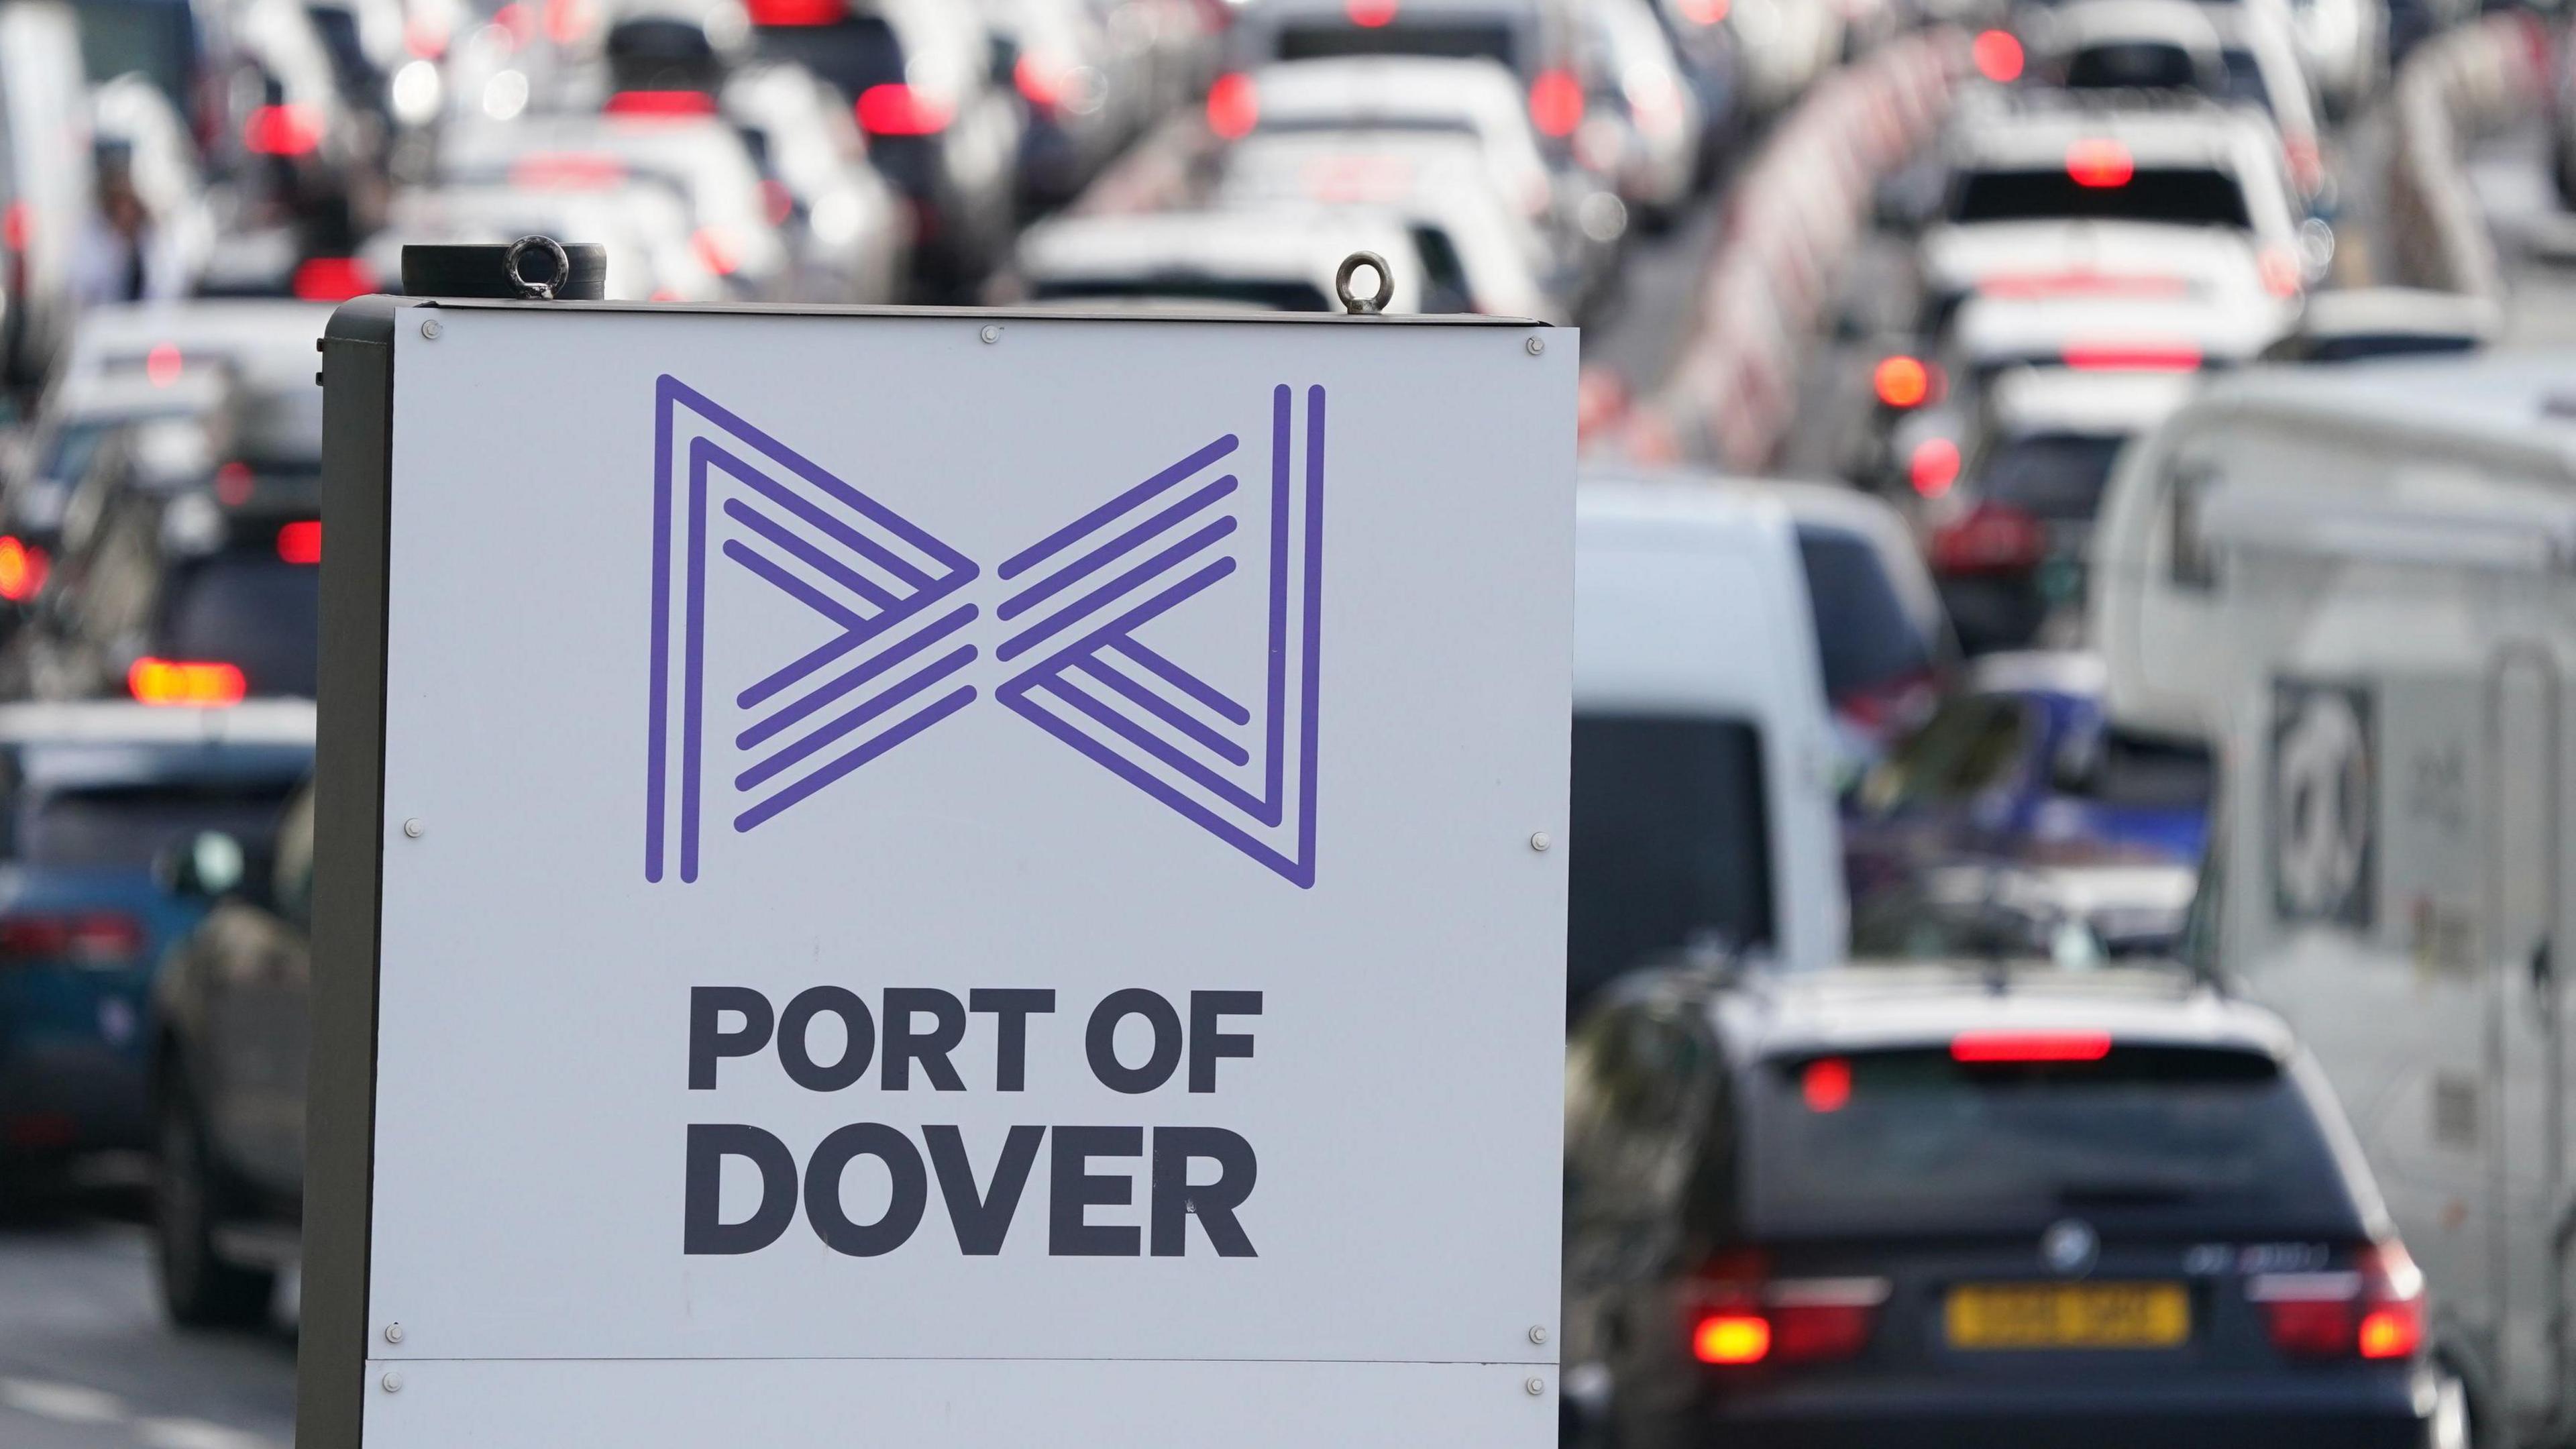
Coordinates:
[2071,191]
[2355,324]
[2237,52]
[2219,318]
[1475,251]
[1280,261]
[643,227]
[852,232]
[1660,123]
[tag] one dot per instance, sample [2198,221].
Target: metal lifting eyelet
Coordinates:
[1364,306]
[538,291]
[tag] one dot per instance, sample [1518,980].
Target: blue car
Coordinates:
[2023,767]
[94,794]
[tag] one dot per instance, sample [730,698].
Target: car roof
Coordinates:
[2080,672]
[2179,135]
[132,392]
[1277,242]
[268,341]
[121,722]
[1340,9]
[1384,86]
[2097,404]
[2498,405]
[2112,22]
[1884,1007]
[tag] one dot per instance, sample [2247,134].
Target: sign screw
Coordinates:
[991,334]
[1534,346]
[394,1333]
[430,329]
[393,1383]
[414,828]
[1539,842]
[1538,1332]
[1536,1387]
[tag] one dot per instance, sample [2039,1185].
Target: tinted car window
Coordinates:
[2149,772]
[2145,65]
[2058,477]
[2193,1139]
[2190,196]
[2358,347]
[854,54]
[127,826]
[156,37]
[248,608]
[1862,627]
[1275,296]
[2245,80]
[1457,41]
[1671,841]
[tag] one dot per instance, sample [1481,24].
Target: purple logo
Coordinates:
[1075,612]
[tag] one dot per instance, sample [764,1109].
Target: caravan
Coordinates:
[2360,586]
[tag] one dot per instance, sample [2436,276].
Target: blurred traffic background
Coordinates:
[2074,577]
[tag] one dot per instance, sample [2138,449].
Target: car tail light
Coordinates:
[2030,1046]
[567,171]
[1556,103]
[1902,382]
[1370,14]
[233,483]
[2132,356]
[1825,1084]
[1933,466]
[2099,164]
[776,201]
[2374,1310]
[17,225]
[161,364]
[1040,81]
[185,681]
[426,37]
[896,109]
[300,542]
[1890,705]
[716,250]
[1741,1316]
[1705,12]
[2081,282]
[2307,167]
[568,21]
[798,12]
[88,937]
[1233,106]
[1998,56]
[2282,275]
[333,279]
[23,567]
[659,103]
[292,129]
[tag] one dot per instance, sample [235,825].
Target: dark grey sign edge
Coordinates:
[348,840]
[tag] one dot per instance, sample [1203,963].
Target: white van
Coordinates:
[1703,806]
[2360,584]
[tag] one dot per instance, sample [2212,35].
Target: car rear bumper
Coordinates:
[2365,1409]
[65,1095]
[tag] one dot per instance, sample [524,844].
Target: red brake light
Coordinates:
[1041,83]
[233,484]
[1370,14]
[2374,1310]
[566,171]
[23,567]
[1902,382]
[1998,56]
[660,103]
[333,279]
[1556,103]
[2100,163]
[716,250]
[2030,1046]
[1705,12]
[902,110]
[1233,106]
[95,937]
[17,225]
[293,129]
[1815,1332]
[2042,286]
[1933,467]
[2132,357]
[568,20]
[1732,1338]
[185,681]
[300,542]
[1826,1084]
[797,12]
[2282,276]
[161,364]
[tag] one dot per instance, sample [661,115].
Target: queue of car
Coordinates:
[1912,1095]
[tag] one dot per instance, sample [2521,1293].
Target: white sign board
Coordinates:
[958,886]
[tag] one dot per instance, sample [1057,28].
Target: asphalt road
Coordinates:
[87,1362]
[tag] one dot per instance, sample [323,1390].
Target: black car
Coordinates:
[1942,1205]
[231,1035]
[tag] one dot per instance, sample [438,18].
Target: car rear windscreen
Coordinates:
[2181,195]
[1917,1142]
[2132,65]
[124,827]
[2362,346]
[2055,477]
[155,37]
[1867,637]
[1671,842]
[853,53]
[249,608]
[2151,772]
[1232,291]
[1452,40]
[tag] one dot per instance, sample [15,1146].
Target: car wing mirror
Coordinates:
[205,866]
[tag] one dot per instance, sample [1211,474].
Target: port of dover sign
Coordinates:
[938,879]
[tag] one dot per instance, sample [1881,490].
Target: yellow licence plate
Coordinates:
[2068,1315]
